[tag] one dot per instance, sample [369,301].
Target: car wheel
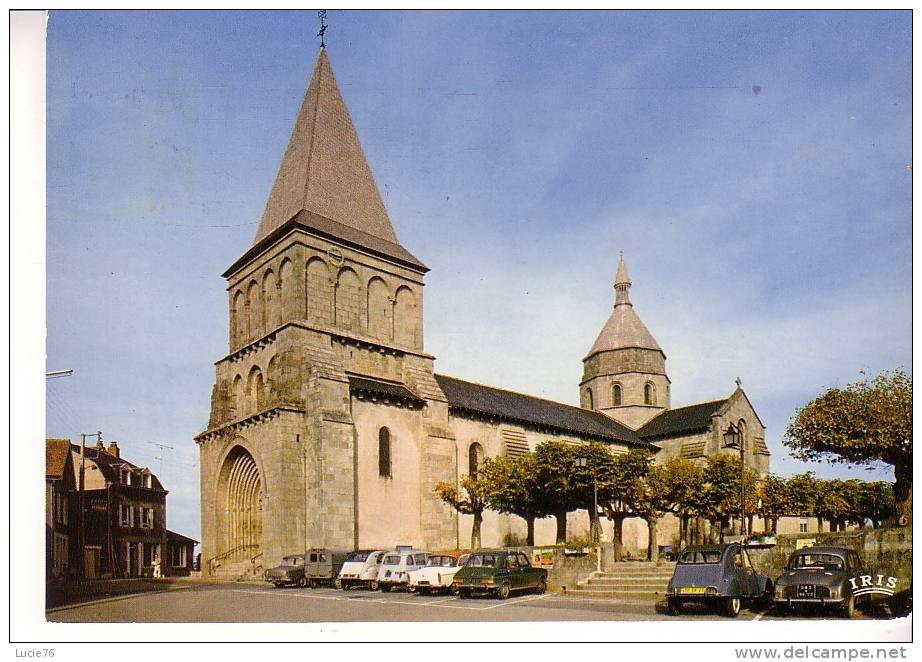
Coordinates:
[411,588]
[385,588]
[503,591]
[674,606]
[337,583]
[848,609]
[541,587]
[277,584]
[464,595]
[313,583]
[302,582]
[373,585]
[731,607]
[344,586]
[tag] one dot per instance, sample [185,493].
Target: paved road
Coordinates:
[223,603]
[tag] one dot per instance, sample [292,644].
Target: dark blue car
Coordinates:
[721,576]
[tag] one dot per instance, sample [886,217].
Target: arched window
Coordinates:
[616,395]
[649,394]
[257,387]
[240,407]
[589,403]
[474,457]
[384,453]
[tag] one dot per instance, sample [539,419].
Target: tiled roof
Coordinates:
[109,465]
[531,411]
[56,452]
[178,537]
[397,391]
[324,169]
[682,420]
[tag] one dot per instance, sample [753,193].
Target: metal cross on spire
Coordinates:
[322,15]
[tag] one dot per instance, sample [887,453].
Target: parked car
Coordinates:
[499,572]
[290,572]
[361,569]
[716,575]
[323,565]
[437,575]
[397,565]
[819,576]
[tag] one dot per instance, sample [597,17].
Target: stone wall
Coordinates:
[886,551]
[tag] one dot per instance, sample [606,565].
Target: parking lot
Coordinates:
[253,602]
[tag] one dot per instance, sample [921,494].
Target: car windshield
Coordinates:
[293,560]
[816,562]
[357,556]
[699,556]
[485,560]
[392,559]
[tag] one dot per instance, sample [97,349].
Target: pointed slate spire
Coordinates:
[622,284]
[624,329]
[324,169]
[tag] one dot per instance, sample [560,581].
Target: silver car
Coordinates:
[819,577]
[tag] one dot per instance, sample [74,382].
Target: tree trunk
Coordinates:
[902,493]
[683,530]
[700,526]
[774,525]
[618,536]
[749,519]
[714,534]
[652,546]
[561,516]
[819,524]
[475,530]
[530,528]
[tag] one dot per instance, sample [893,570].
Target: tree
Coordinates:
[510,485]
[775,501]
[653,500]
[832,503]
[467,500]
[720,492]
[599,465]
[620,488]
[554,471]
[865,422]
[876,501]
[684,481]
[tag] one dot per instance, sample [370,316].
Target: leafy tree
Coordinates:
[875,500]
[510,485]
[802,495]
[865,422]
[684,480]
[620,488]
[554,472]
[599,466]
[467,500]
[720,492]
[653,500]
[832,502]
[775,500]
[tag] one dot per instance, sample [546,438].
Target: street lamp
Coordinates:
[580,462]
[733,438]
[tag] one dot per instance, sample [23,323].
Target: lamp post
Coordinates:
[581,461]
[733,438]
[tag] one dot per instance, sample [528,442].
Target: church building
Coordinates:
[329,426]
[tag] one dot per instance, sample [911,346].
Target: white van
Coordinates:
[361,569]
[397,565]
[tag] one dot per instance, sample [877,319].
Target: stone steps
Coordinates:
[627,582]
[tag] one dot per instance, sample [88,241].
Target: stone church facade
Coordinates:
[329,425]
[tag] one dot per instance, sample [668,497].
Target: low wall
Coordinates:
[886,551]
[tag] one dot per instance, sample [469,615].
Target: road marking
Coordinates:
[439,603]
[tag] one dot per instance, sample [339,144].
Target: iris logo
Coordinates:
[866,584]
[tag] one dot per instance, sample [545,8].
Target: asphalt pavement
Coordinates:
[259,603]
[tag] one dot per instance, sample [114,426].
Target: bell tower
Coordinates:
[624,374]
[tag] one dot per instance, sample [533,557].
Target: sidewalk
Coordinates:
[94,589]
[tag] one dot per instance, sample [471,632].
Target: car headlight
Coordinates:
[833,593]
[779,592]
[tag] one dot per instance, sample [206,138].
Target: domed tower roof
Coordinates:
[624,329]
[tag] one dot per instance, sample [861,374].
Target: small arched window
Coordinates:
[474,457]
[616,395]
[589,402]
[649,394]
[384,453]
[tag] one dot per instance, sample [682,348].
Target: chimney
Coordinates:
[113,448]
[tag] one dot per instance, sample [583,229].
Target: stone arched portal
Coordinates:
[239,502]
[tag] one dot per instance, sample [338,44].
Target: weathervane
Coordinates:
[322,15]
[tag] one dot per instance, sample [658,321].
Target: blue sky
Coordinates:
[768,234]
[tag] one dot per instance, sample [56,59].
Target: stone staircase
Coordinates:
[629,581]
